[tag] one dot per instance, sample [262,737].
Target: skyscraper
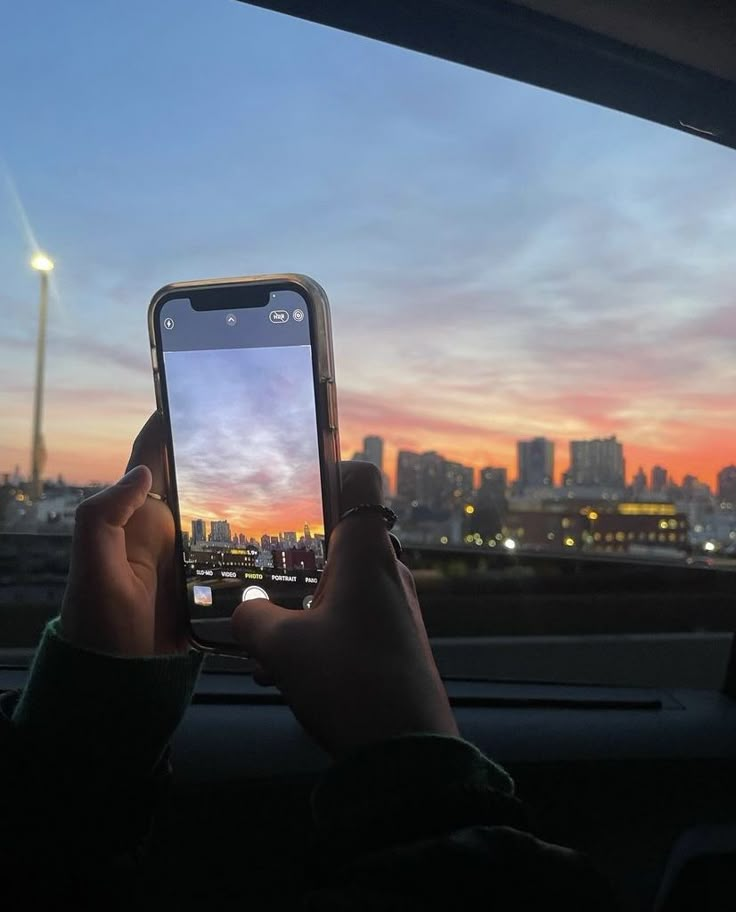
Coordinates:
[220,530]
[490,502]
[199,531]
[407,476]
[458,484]
[307,533]
[535,462]
[639,486]
[432,480]
[597,463]
[659,480]
[373,451]
[727,485]
[492,488]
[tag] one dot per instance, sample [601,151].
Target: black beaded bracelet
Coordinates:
[388,515]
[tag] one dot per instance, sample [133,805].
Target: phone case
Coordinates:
[326,396]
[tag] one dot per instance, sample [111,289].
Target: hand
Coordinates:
[357,667]
[121,596]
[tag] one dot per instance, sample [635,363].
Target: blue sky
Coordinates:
[501,261]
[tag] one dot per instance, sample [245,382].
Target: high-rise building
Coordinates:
[432,481]
[199,531]
[490,503]
[492,488]
[535,462]
[597,463]
[429,480]
[290,538]
[373,451]
[658,480]
[307,533]
[265,542]
[220,531]
[639,485]
[727,485]
[407,476]
[692,489]
[458,485]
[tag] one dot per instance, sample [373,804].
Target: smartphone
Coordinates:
[245,386]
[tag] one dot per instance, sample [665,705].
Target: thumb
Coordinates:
[255,625]
[114,506]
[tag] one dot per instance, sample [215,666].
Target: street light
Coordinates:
[42,263]
[43,266]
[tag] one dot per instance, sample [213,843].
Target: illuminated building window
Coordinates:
[566,523]
[597,536]
[631,536]
[646,509]
[652,536]
[609,536]
[620,536]
[672,537]
[672,524]
[661,537]
[663,524]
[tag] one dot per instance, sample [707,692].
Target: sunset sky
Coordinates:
[245,439]
[502,262]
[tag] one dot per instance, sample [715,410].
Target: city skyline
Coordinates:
[655,480]
[502,262]
[199,533]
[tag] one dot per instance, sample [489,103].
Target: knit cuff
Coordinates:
[85,704]
[410,787]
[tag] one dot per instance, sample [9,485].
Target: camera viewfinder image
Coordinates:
[246,456]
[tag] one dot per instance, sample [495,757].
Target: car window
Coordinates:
[532,300]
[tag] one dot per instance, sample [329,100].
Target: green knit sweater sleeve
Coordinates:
[407,788]
[103,712]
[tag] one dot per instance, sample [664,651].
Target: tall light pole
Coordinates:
[43,265]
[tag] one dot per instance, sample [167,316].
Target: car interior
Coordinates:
[604,684]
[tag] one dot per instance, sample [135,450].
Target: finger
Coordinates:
[148,450]
[262,677]
[254,624]
[361,540]
[113,507]
[361,482]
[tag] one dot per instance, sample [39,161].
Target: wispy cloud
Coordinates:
[245,439]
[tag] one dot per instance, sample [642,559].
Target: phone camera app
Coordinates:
[298,315]
[278,316]
[168,323]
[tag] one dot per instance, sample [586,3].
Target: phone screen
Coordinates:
[239,389]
